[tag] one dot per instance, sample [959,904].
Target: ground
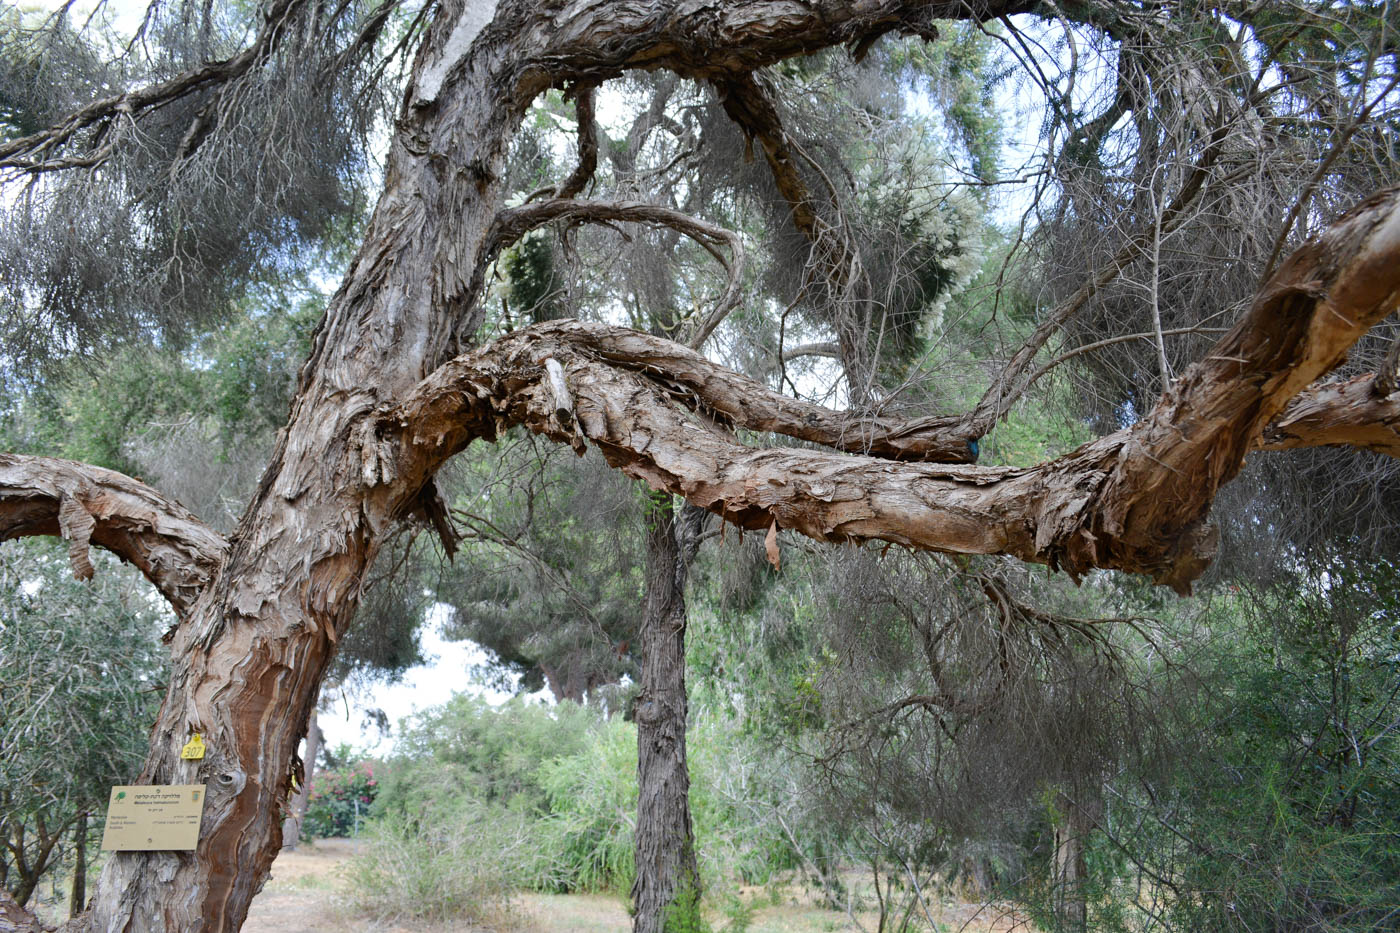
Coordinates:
[305,895]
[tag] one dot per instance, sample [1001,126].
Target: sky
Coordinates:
[448,671]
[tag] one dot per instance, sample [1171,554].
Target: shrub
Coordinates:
[456,862]
[592,811]
[340,800]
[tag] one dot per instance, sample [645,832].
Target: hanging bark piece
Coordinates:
[76,526]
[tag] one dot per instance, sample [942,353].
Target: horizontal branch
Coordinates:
[177,552]
[513,223]
[725,40]
[1135,500]
[1350,414]
[743,402]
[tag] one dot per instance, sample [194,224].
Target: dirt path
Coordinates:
[302,894]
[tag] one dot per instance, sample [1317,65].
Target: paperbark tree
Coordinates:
[392,389]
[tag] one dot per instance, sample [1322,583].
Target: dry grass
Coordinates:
[307,895]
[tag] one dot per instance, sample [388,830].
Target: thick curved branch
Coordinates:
[750,105]
[1135,500]
[739,401]
[709,40]
[1350,414]
[177,552]
[513,223]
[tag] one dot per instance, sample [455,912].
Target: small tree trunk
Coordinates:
[1071,833]
[30,875]
[668,879]
[291,827]
[77,898]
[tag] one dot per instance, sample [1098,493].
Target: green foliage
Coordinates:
[340,800]
[570,775]
[683,915]
[470,749]
[234,385]
[1297,824]
[1281,810]
[81,675]
[534,286]
[552,582]
[593,806]
[958,71]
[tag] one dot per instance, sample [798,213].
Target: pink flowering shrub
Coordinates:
[340,800]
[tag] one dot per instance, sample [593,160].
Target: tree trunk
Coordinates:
[1069,870]
[291,828]
[31,873]
[77,897]
[668,878]
[255,640]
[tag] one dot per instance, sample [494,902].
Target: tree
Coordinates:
[394,385]
[80,674]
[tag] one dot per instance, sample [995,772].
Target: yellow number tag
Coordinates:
[194,748]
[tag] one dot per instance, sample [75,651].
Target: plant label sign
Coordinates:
[153,817]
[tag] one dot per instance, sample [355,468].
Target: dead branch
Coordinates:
[823,348]
[1012,381]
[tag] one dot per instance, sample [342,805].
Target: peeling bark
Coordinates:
[1347,414]
[296,819]
[177,552]
[1135,500]
[260,637]
[256,642]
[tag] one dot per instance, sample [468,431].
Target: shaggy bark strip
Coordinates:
[177,552]
[747,403]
